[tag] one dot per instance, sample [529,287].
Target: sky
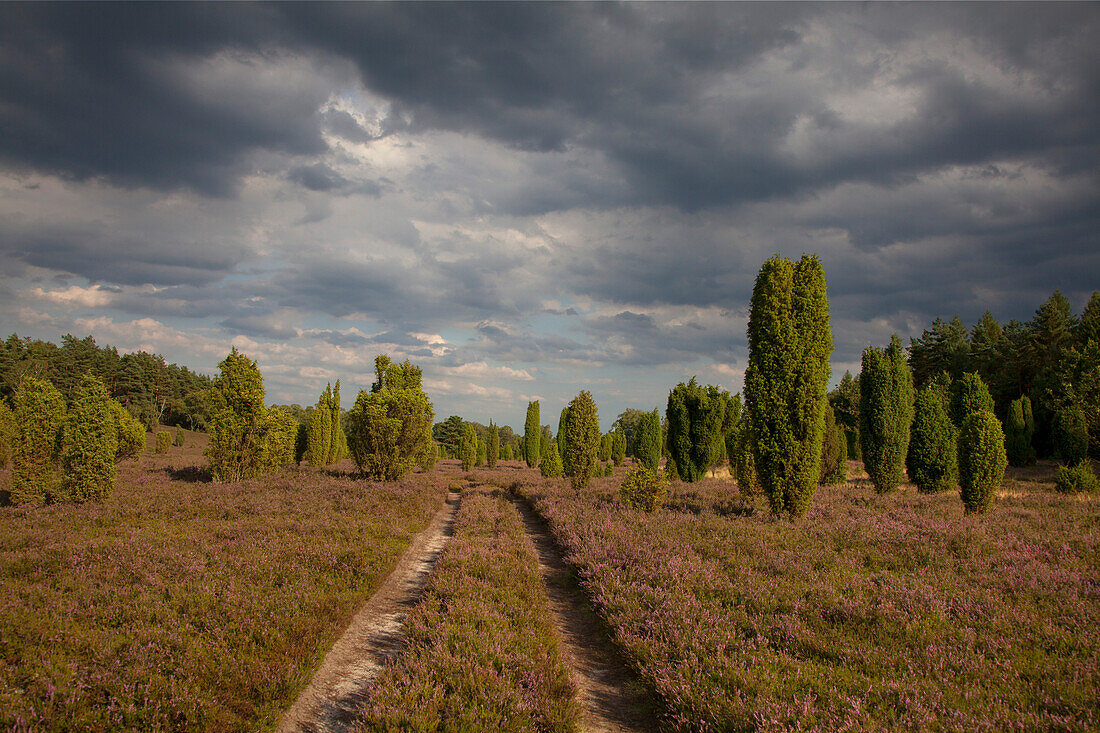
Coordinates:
[532,199]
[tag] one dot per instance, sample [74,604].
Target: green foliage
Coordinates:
[1019,428]
[129,433]
[7,433]
[550,466]
[468,449]
[493,449]
[644,489]
[695,418]
[320,430]
[179,438]
[1071,435]
[969,394]
[480,459]
[647,447]
[507,453]
[236,430]
[933,448]
[428,456]
[748,483]
[789,346]
[280,436]
[301,443]
[1076,479]
[851,435]
[628,421]
[982,460]
[390,428]
[449,434]
[39,420]
[618,446]
[604,453]
[563,442]
[163,441]
[582,439]
[336,431]
[834,452]
[531,435]
[886,413]
[90,443]
[845,402]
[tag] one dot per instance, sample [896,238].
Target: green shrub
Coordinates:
[130,433]
[336,446]
[39,420]
[280,435]
[1071,434]
[648,444]
[468,448]
[320,430]
[390,428]
[236,430]
[885,413]
[550,466]
[301,443]
[481,453]
[695,418]
[644,489]
[834,452]
[91,441]
[618,446]
[982,460]
[563,442]
[507,453]
[428,457]
[748,483]
[532,435]
[788,370]
[493,450]
[163,441]
[582,439]
[179,439]
[1019,428]
[933,449]
[854,451]
[604,453]
[969,394]
[7,433]
[1076,479]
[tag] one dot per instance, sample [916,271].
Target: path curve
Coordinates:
[611,697]
[329,703]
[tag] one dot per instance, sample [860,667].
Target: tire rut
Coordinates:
[611,697]
[329,702]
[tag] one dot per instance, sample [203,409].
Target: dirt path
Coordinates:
[374,635]
[612,700]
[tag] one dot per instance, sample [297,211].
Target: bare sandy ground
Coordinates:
[328,704]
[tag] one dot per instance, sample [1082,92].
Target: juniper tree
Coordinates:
[335,444]
[389,429]
[494,445]
[618,446]
[468,449]
[163,441]
[605,447]
[1019,428]
[969,394]
[507,454]
[531,435]
[129,433]
[39,419]
[1071,435]
[550,466]
[7,433]
[932,460]
[648,442]
[695,418]
[563,442]
[886,413]
[582,434]
[788,369]
[982,460]
[320,431]
[178,439]
[480,453]
[236,430]
[748,483]
[90,443]
[834,452]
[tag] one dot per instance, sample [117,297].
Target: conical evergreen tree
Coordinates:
[493,449]
[886,414]
[932,460]
[469,447]
[582,432]
[39,420]
[531,435]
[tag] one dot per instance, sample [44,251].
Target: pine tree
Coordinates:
[39,420]
[390,428]
[531,435]
[648,441]
[582,432]
[494,445]
[982,460]
[788,370]
[469,447]
[886,414]
[91,441]
[932,460]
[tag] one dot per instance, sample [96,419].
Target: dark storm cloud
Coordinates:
[317,177]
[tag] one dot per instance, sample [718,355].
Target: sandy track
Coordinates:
[328,704]
[612,700]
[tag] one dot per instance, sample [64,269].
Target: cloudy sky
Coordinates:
[532,199]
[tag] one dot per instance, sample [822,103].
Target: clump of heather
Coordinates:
[874,612]
[179,604]
[481,650]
